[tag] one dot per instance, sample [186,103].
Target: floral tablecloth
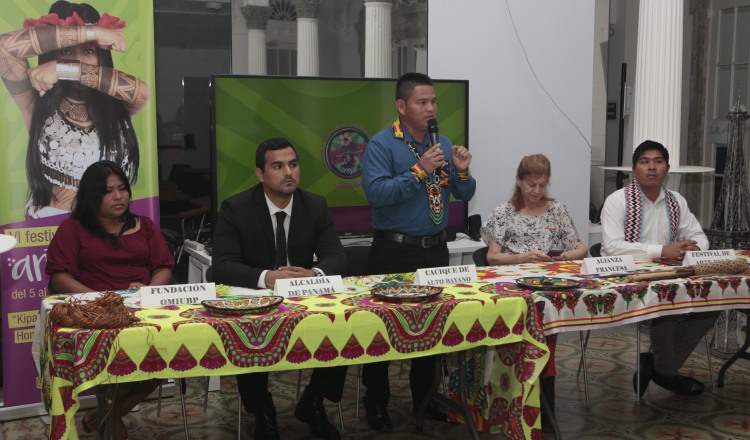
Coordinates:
[353,328]
[315,331]
[596,304]
[607,302]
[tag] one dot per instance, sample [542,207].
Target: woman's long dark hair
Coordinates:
[91,191]
[109,116]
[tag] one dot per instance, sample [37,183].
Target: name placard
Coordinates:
[605,265]
[177,294]
[445,276]
[699,257]
[291,287]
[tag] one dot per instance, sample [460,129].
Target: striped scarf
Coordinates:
[634,213]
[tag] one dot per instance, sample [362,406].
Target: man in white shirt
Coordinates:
[646,220]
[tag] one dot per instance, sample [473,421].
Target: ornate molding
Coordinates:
[283,10]
[256,17]
[307,8]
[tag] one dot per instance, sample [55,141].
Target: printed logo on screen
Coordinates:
[344,150]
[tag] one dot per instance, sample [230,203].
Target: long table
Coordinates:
[317,331]
[597,303]
[609,302]
[353,328]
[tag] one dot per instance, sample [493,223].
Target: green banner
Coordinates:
[328,120]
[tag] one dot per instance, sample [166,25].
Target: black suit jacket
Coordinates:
[244,240]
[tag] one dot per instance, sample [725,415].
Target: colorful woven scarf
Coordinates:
[433,182]
[634,213]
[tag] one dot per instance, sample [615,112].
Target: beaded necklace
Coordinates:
[433,181]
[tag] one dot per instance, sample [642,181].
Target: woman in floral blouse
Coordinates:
[531,227]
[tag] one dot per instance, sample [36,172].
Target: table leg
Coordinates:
[101,407]
[106,430]
[462,408]
[546,409]
[110,412]
[468,418]
[741,353]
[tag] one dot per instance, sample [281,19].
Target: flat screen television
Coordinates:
[329,121]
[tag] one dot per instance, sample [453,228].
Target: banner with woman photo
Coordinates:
[78,83]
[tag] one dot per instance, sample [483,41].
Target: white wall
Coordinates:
[510,115]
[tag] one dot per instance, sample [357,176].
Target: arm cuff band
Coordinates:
[90,33]
[68,70]
[418,172]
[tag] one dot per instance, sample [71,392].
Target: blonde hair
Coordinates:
[535,164]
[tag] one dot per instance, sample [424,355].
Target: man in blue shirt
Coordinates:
[408,183]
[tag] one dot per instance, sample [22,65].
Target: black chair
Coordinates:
[741,353]
[596,250]
[480,256]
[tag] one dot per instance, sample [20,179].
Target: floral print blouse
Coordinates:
[518,233]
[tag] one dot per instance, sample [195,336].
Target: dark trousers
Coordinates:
[390,257]
[673,338]
[325,382]
[421,378]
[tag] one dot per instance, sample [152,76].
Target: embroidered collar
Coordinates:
[398,132]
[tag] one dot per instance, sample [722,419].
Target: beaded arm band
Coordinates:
[68,70]
[418,172]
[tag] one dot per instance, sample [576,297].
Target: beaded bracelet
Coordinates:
[68,70]
[463,175]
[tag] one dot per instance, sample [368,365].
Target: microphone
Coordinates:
[432,128]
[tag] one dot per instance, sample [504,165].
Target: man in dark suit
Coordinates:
[249,251]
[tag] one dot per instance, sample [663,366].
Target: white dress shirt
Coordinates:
[655,231]
[273,209]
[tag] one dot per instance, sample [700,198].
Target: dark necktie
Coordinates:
[280,240]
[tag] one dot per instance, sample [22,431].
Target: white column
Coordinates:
[378,60]
[256,50]
[307,37]
[658,75]
[256,17]
[307,47]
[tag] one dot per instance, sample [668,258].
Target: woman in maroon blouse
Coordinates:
[103,246]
